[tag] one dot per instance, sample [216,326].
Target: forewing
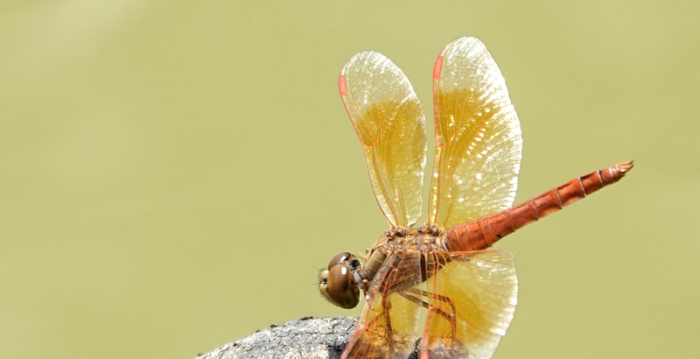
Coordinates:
[390,123]
[480,288]
[477,133]
[388,325]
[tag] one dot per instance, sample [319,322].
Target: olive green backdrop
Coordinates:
[173,173]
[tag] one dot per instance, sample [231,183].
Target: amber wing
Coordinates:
[388,325]
[477,134]
[390,123]
[480,289]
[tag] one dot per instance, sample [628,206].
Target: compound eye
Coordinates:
[341,287]
[338,284]
[340,258]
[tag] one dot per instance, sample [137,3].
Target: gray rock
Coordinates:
[322,338]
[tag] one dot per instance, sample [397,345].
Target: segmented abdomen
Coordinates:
[484,232]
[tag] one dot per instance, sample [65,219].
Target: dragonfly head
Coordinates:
[339,283]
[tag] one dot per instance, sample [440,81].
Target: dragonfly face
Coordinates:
[444,267]
[340,282]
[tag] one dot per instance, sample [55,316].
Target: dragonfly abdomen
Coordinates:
[484,232]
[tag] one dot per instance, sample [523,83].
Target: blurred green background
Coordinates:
[172,173]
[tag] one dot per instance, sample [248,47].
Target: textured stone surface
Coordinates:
[301,338]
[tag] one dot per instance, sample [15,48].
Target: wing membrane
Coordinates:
[388,325]
[477,134]
[390,123]
[481,289]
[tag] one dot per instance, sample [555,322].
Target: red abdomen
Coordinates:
[484,232]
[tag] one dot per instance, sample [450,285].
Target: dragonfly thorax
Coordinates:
[345,275]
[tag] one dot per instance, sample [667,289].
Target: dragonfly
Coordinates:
[445,268]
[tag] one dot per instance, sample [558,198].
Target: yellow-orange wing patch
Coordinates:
[480,288]
[390,123]
[477,132]
[388,325]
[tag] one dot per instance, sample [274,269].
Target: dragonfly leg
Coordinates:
[432,310]
[386,304]
[427,306]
